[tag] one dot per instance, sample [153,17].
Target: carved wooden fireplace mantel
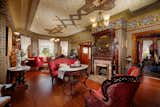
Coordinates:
[103,52]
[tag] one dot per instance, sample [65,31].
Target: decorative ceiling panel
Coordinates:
[67,17]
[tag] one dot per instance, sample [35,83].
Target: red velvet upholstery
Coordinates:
[64,61]
[119,94]
[53,65]
[132,71]
[39,61]
[53,69]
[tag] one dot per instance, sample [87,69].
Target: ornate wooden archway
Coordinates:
[136,38]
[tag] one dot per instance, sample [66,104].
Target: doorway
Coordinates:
[146,51]
[85,52]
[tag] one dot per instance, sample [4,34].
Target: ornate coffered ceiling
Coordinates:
[65,17]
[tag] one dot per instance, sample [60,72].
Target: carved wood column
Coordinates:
[134,49]
[121,34]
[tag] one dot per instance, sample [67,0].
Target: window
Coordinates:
[64,47]
[46,48]
[85,50]
[146,48]
[25,43]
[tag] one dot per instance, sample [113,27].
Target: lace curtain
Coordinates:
[25,43]
[46,48]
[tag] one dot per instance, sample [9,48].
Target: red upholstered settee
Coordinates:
[37,62]
[118,92]
[54,65]
[64,61]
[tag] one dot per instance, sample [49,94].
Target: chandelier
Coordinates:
[101,20]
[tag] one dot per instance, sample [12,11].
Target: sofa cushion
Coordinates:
[64,61]
[134,71]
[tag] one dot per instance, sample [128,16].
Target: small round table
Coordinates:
[16,75]
[71,70]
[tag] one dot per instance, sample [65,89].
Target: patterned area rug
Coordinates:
[97,78]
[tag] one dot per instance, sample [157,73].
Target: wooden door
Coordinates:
[85,53]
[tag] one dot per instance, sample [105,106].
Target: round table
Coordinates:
[70,71]
[16,75]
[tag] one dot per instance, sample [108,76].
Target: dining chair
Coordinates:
[53,69]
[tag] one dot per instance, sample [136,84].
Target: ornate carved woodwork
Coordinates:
[85,57]
[103,47]
[136,40]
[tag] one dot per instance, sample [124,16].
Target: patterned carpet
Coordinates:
[98,78]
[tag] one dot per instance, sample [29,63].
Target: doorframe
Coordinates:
[135,37]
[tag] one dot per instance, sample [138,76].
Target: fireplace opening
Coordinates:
[103,71]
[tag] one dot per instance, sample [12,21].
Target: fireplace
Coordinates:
[103,52]
[101,63]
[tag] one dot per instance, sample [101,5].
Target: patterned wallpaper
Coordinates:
[133,23]
[2,49]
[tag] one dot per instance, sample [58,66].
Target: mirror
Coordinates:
[104,41]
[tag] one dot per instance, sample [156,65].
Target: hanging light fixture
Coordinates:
[55,39]
[100,20]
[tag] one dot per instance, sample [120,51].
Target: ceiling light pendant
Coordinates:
[100,20]
[54,39]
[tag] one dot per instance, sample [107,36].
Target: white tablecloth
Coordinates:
[63,69]
[25,68]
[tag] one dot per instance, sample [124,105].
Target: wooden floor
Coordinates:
[41,93]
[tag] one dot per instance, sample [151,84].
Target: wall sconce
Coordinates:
[16,33]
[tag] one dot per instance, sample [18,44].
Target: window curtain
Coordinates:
[64,47]
[25,43]
[46,48]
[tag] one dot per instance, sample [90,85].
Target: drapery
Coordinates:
[46,48]
[25,43]
[64,47]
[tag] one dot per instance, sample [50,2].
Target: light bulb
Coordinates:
[106,17]
[52,39]
[93,20]
[94,25]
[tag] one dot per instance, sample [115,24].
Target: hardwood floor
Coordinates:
[41,93]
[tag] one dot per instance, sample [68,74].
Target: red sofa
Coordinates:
[54,64]
[64,61]
[37,62]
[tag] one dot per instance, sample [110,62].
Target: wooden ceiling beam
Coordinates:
[32,10]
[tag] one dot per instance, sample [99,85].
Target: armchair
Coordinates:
[118,92]
[4,100]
